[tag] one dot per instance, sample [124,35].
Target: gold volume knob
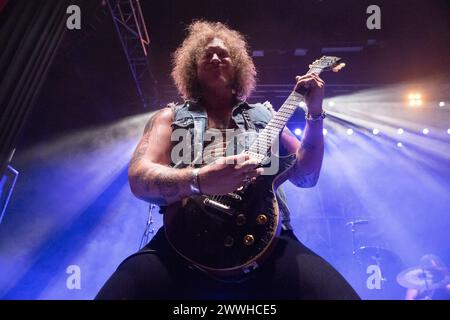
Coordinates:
[249,240]
[261,219]
[228,242]
[241,219]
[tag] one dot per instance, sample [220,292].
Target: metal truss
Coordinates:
[130,26]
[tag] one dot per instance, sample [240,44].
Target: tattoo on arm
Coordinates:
[140,151]
[307,146]
[143,145]
[151,122]
[167,185]
[306,180]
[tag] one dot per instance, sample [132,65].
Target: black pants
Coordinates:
[292,272]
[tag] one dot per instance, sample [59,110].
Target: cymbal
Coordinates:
[425,279]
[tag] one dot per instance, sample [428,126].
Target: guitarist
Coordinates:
[214,74]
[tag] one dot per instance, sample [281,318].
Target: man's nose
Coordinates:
[215,58]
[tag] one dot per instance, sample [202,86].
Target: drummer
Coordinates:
[438,289]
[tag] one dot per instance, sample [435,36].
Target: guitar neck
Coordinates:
[268,135]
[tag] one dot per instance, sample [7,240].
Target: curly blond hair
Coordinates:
[200,33]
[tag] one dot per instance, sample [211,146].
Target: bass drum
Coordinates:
[377,269]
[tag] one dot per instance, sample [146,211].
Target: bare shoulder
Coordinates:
[162,117]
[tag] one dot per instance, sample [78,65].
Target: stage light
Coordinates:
[441,104]
[298,131]
[375,131]
[415,99]
[425,131]
[448,131]
[349,131]
[400,131]
[331,103]
[399,144]
[324,131]
[300,52]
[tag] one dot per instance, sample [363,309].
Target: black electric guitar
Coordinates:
[231,234]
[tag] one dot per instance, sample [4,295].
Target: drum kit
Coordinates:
[390,270]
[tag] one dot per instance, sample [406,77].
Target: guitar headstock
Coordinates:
[327,63]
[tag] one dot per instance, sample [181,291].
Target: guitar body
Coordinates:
[232,234]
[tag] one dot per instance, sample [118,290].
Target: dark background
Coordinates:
[90,82]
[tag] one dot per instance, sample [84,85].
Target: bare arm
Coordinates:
[149,174]
[309,151]
[411,294]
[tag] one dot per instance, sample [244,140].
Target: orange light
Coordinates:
[415,99]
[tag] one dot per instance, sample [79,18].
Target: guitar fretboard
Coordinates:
[268,135]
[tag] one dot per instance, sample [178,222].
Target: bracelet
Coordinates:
[309,116]
[194,185]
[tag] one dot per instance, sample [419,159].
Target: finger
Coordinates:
[318,79]
[237,159]
[308,76]
[247,166]
[307,82]
[303,77]
[314,83]
[254,173]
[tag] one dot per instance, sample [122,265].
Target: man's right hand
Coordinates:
[227,174]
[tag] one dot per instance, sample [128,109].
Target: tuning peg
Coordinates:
[338,67]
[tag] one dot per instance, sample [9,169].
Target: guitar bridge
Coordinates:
[217,205]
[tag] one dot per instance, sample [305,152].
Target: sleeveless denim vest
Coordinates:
[192,117]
